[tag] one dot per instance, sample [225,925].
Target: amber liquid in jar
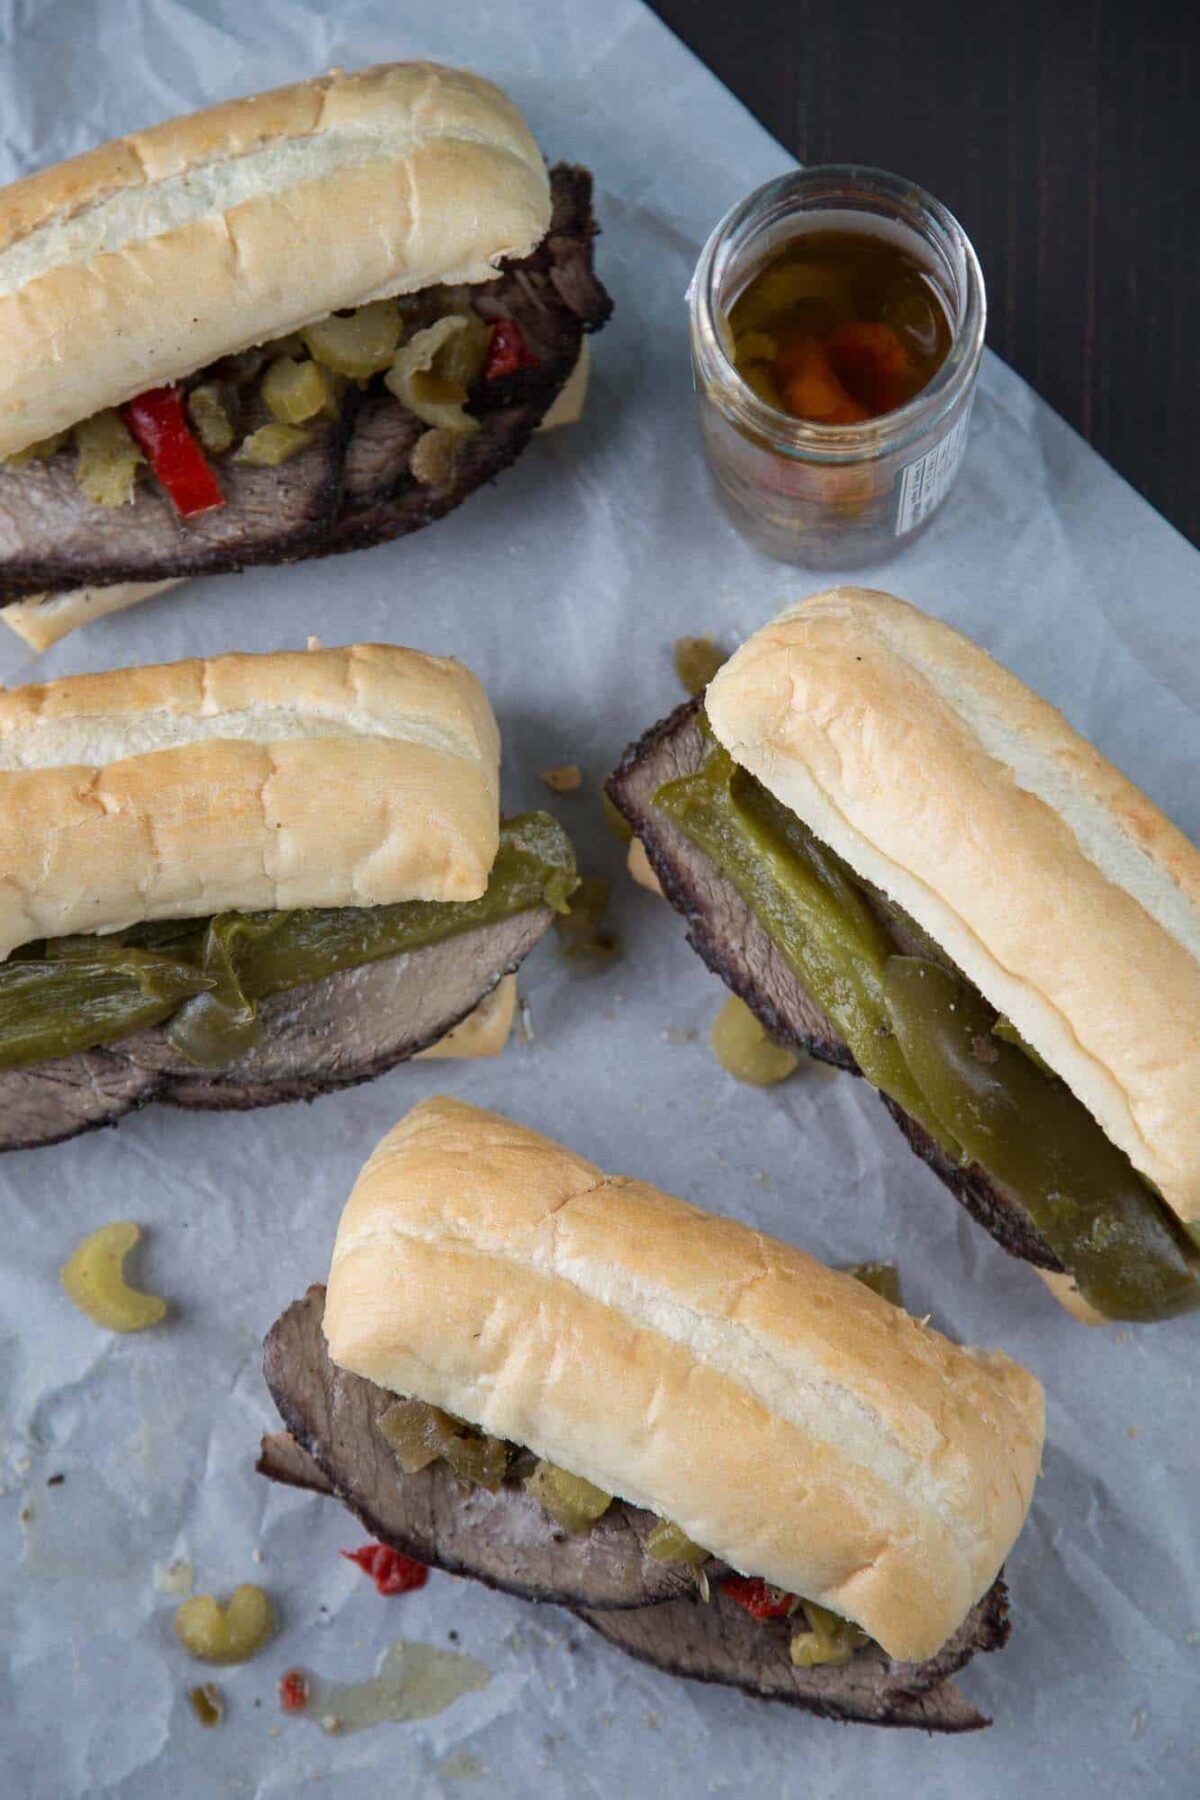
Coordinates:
[840,327]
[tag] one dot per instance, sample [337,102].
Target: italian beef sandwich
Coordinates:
[725,1458]
[254,878]
[910,866]
[303,322]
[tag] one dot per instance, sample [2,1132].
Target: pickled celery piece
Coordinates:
[743,1049]
[106,460]
[272,445]
[420,1434]
[210,417]
[358,344]
[295,391]
[669,1543]
[572,1502]
[417,1432]
[432,459]
[476,1457]
[419,380]
[829,1639]
[94,1278]
[233,1633]
[463,355]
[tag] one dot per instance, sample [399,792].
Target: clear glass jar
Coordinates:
[834,496]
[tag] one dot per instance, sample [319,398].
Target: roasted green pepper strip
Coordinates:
[1034,1136]
[206,975]
[983,1097]
[55,1004]
[218,1025]
[810,907]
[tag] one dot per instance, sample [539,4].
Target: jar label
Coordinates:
[924,483]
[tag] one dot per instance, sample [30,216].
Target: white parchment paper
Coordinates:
[564,587]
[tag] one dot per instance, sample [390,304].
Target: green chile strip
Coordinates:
[928,1039]
[810,907]
[205,975]
[1035,1137]
[71,1000]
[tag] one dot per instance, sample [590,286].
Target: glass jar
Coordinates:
[834,496]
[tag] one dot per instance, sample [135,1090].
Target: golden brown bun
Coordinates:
[350,777]
[483,1032]
[1057,887]
[789,1419]
[149,257]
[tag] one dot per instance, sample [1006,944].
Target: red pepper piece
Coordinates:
[391,1572]
[507,351]
[810,387]
[872,364]
[293,1690]
[760,1599]
[159,423]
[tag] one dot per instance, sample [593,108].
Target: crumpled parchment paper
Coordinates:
[564,586]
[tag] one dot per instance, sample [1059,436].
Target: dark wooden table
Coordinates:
[1065,135]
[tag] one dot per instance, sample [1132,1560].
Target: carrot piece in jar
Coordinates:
[810,387]
[872,364]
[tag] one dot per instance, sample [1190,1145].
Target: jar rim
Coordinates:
[899,201]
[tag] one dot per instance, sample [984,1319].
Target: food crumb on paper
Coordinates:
[175,1578]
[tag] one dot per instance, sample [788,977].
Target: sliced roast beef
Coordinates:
[49,1101]
[333,1446]
[52,536]
[283,1460]
[725,932]
[352,486]
[505,1539]
[316,1038]
[719,1641]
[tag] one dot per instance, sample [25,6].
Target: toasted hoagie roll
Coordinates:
[910,865]
[791,1423]
[251,877]
[299,322]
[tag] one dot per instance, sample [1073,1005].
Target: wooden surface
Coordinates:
[1065,136]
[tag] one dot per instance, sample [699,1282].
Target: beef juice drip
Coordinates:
[840,327]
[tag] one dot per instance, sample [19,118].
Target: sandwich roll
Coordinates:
[1056,887]
[45,619]
[196,787]
[148,258]
[789,1420]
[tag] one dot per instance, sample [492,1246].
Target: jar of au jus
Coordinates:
[837,324]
